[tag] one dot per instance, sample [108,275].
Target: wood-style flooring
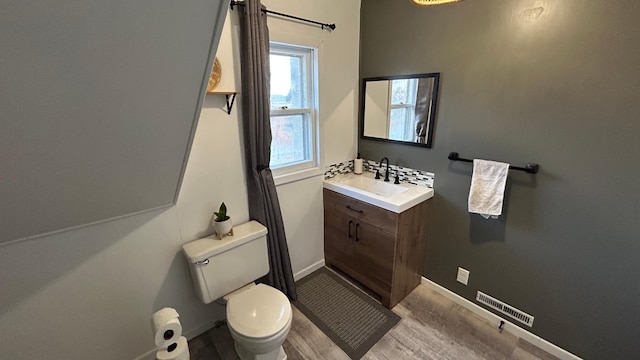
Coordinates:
[432,327]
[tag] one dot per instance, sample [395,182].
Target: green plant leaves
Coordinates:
[221,215]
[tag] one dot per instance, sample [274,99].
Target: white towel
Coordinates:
[487,188]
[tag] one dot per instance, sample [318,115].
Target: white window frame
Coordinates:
[308,168]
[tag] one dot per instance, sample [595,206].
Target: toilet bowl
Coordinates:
[259,320]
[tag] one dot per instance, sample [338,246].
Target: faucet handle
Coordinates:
[397,181]
[377,174]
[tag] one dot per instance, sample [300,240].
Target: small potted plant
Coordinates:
[222,222]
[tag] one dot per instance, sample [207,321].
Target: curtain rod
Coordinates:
[323,25]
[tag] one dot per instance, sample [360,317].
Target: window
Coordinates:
[294,128]
[402,108]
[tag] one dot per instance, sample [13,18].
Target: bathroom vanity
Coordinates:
[381,246]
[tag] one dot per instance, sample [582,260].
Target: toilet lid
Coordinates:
[258,312]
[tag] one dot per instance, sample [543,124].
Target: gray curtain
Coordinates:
[423,105]
[263,199]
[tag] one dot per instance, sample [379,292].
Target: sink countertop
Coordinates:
[387,195]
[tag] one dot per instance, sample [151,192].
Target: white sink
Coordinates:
[387,195]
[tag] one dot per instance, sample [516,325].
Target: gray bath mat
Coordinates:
[351,319]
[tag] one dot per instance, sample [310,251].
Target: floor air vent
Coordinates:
[505,309]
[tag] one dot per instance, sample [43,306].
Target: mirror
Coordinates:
[400,108]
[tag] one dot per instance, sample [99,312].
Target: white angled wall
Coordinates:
[89,293]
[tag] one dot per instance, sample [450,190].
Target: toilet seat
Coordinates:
[259,312]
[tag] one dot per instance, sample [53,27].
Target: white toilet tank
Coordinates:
[219,267]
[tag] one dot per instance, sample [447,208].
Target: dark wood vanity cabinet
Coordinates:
[381,249]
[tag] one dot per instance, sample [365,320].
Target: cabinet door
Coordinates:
[339,236]
[374,254]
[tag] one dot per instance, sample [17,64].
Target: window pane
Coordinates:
[399,91]
[403,91]
[288,79]
[291,139]
[401,124]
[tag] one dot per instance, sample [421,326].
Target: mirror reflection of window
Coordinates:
[402,109]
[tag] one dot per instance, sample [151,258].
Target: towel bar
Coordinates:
[529,168]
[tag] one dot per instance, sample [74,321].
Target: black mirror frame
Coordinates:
[432,114]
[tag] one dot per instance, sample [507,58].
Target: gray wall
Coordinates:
[553,82]
[98,105]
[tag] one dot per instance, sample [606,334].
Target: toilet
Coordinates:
[258,316]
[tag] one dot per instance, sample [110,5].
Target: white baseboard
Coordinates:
[495,320]
[149,355]
[200,329]
[308,270]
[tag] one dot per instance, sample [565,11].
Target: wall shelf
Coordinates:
[226,94]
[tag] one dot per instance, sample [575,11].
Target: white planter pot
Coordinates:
[223,228]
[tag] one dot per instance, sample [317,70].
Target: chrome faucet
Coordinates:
[386,173]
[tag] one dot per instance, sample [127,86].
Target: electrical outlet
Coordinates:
[463,276]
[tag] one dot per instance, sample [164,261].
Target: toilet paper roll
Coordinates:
[178,350]
[166,327]
[357,166]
